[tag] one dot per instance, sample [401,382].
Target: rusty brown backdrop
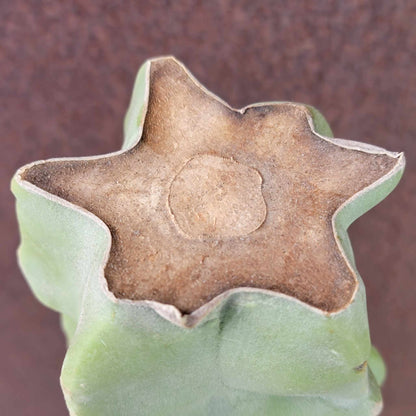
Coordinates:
[67,70]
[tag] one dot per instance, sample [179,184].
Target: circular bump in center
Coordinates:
[213,197]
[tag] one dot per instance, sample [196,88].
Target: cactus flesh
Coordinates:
[205,269]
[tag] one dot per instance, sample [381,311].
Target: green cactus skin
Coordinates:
[247,352]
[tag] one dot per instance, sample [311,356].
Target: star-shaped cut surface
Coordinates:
[213,198]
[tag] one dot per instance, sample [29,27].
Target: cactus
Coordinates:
[205,268]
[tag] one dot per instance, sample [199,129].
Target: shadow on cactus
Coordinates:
[205,269]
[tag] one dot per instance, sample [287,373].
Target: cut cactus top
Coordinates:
[212,198]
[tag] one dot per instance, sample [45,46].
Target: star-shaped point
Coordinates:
[211,198]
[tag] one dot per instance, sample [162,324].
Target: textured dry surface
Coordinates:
[212,199]
[67,70]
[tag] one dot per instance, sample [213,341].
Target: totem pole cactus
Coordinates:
[205,269]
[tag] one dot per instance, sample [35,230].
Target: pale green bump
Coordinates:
[321,125]
[377,366]
[137,108]
[55,260]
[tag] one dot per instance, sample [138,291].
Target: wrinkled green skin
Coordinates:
[253,354]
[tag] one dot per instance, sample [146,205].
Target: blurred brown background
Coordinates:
[67,69]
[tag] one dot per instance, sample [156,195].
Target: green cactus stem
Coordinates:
[205,268]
